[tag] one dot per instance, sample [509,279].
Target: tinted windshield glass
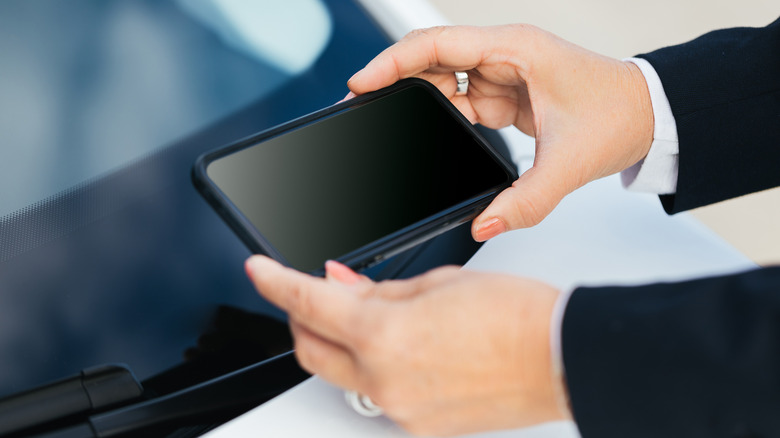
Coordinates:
[88,86]
[107,252]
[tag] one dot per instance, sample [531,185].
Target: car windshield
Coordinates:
[89,86]
[108,254]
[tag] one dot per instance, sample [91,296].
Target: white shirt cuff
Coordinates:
[657,172]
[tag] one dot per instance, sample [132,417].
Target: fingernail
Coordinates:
[489,229]
[349,95]
[341,273]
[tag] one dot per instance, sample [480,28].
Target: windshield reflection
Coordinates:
[290,35]
[126,263]
[97,84]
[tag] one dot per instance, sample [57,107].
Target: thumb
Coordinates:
[343,274]
[529,200]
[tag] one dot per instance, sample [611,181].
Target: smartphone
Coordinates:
[357,182]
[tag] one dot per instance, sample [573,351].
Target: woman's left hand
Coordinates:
[445,353]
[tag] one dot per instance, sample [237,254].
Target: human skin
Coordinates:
[444,353]
[591,115]
[453,351]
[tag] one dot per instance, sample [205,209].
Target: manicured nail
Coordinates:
[341,273]
[489,229]
[349,95]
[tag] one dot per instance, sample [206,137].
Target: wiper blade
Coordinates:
[213,401]
[93,389]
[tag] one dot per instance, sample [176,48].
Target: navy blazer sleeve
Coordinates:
[700,358]
[724,91]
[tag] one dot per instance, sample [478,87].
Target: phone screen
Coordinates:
[354,177]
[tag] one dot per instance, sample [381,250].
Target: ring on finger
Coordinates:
[462,80]
[362,404]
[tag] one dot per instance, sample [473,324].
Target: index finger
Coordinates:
[315,303]
[451,47]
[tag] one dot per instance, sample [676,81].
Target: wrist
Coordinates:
[642,110]
[553,394]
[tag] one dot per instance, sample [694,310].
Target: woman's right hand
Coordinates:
[591,115]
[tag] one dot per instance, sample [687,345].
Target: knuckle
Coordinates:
[436,276]
[427,31]
[527,212]
[301,302]
[304,357]
[415,33]
[523,27]
[528,32]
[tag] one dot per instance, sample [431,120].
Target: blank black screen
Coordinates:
[333,186]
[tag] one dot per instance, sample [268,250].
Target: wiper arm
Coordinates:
[91,390]
[215,400]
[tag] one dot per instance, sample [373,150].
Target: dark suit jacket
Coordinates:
[700,358]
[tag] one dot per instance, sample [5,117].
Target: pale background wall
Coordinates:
[622,28]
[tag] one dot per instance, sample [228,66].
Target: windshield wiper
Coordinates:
[93,389]
[213,401]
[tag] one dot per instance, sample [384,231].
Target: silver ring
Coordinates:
[362,404]
[462,78]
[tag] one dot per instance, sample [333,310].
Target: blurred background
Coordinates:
[622,29]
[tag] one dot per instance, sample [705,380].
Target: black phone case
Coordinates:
[376,251]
